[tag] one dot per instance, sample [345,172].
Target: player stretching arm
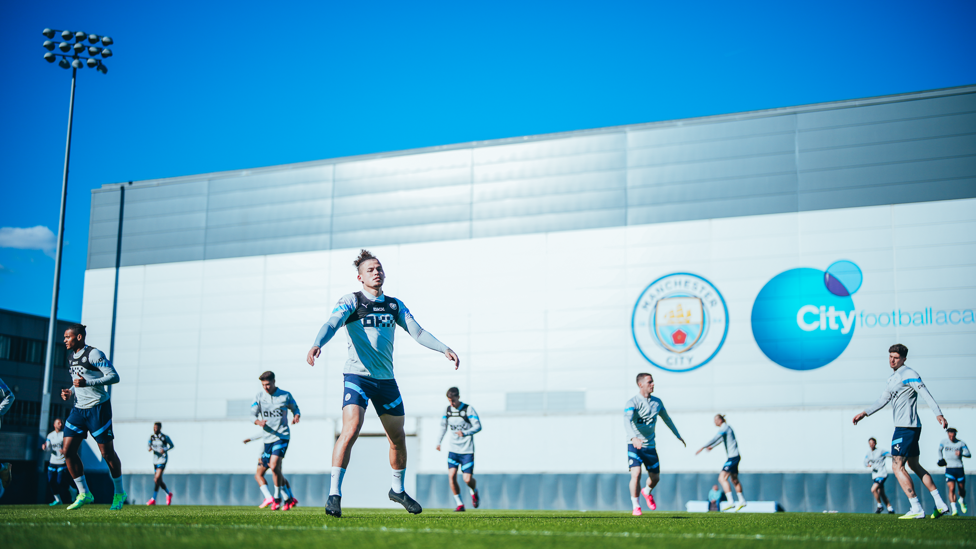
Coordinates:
[951,452]
[463,423]
[160,444]
[91,372]
[875,461]
[640,418]
[370,318]
[902,390]
[730,471]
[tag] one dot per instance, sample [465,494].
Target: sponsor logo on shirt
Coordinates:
[680,322]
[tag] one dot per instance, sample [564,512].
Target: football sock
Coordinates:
[155,494]
[952,505]
[165,489]
[635,502]
[457,499]
[890,508]
[646,490]
[472,491]
[916,505]
[728,497]
[287,491]
[398,475]
[57,498]
[741,498]
[82,484]
[117,482]
[337,474]
[266,491]
[938,499]
[277,492]
[879,505]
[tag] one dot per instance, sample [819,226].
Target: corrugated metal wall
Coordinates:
[899,149]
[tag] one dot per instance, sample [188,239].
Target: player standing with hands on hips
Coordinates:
[371,318]
[902,390]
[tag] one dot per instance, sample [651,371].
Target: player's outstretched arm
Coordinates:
[340,313]
[667,421]
[922,390]
[423,337]
[882,401]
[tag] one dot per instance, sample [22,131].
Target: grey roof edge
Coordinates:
[764,113]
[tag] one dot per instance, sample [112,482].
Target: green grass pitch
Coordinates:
[37,527]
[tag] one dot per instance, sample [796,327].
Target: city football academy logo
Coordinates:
[803,318]
[680,322]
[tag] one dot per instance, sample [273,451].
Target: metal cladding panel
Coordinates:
[908,148]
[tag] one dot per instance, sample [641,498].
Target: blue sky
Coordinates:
[206,86]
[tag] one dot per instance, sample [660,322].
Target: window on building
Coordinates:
[31,351]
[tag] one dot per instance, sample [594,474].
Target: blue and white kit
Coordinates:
[902,390]
[463,419]
[93,409]
[875,459]
[640,419]
[954,469]
[726,436]
[160,445]
[6,399]
[273,408]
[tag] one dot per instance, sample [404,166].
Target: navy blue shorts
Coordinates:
[955,474]
[97,420]
[732,465]
[157,466]
[880,480]
[463,461]
[645,456]
[55,473]
[384,393]
[276,448]
[904,443]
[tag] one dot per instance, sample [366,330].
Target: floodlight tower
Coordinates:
[74,47]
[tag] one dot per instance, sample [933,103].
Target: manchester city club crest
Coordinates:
[680,322]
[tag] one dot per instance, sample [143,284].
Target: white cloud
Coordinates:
[31,238]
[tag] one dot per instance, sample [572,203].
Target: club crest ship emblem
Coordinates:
[680,322]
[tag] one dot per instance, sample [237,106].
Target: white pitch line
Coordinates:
[528,533]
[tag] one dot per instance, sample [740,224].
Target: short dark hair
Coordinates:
[900,349]
[267,376]
[453,392]
[158,424]
[642,375]
[721,416]
[78,329]
[874,439]
[952,430]
[363,257]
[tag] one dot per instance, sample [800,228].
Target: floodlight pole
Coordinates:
[53,321]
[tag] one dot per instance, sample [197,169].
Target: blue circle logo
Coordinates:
[803,319]
[680,322]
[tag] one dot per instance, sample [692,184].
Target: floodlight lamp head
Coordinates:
[106,41]
[101,68]
[92,38]
[106,52]
[64,64]
[67,35]
[50,57]
[77,64]
[92,50]
[48,45]
[48,33]
[92,63]
[80,36]
[79,48]
[64,46]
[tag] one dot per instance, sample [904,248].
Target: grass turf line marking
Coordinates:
[537,533]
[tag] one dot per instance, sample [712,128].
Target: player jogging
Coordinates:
[56,469]
[902,390]
[875,461]
[951,452]
[6,400]
[270,412]
[290,499]
[730,471]
[160,444]
[370,318]
[91,372]
[462,421]
[640,418]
